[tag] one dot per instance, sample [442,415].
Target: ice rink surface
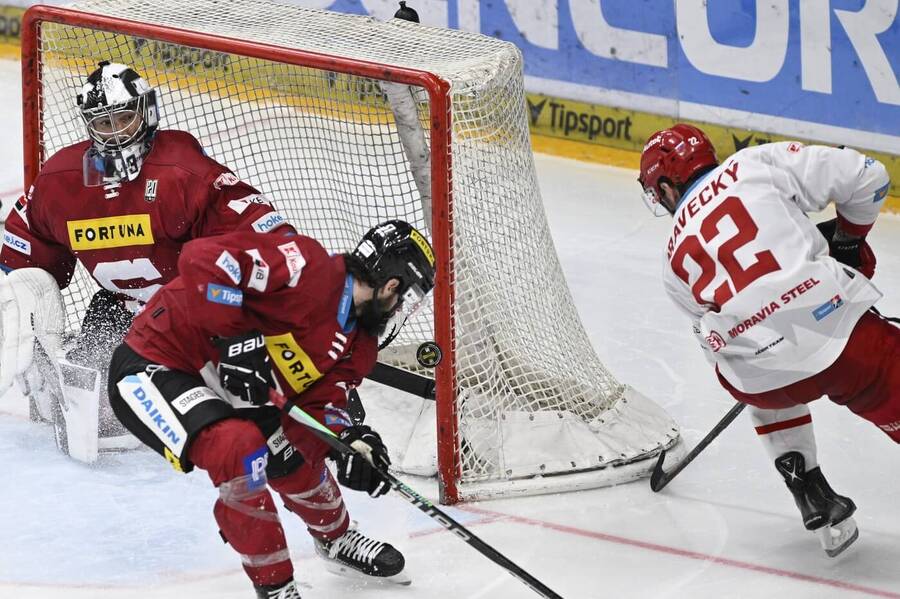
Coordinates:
[131,528]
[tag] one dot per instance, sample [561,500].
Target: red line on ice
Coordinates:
[494,516]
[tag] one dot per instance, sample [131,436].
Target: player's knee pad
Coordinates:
[306,481]
[232,450]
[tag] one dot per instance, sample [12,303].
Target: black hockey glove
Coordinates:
[845,251]
[355,471]
[244,367]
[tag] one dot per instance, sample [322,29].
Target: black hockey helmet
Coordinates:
[394,249]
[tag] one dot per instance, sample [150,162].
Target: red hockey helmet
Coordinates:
[674,155]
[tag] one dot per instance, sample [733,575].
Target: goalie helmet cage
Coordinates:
[344,121]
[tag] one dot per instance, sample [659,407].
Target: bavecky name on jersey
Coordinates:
[230,266]
[17,243]
[220,294]
[268,222]
[890,427]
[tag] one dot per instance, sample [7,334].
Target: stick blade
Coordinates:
[658,478]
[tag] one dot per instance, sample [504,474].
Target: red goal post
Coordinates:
[473,188]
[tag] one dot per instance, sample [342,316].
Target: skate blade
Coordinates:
[340,569]
[835,544]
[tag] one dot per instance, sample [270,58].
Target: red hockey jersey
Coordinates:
[129,236]
[285,286]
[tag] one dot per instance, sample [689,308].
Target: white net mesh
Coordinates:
[326,148]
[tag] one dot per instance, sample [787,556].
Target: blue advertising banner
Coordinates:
[823,69]
[816,69]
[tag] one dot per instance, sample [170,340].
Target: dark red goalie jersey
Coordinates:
[129,236]
[284,286]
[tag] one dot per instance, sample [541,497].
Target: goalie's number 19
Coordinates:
[738,276]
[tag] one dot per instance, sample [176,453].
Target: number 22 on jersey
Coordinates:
[738,277]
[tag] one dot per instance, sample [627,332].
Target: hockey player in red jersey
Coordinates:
[122,203]
[247,313]
[780,307]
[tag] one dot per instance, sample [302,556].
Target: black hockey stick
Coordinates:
[404,380]
[660,478]
[326,435]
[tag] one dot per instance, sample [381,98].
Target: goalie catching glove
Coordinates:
[244,367]
[852,252]
[357,470]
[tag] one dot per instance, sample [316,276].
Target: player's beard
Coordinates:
[374,315]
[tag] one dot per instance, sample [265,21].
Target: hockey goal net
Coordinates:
[344,121]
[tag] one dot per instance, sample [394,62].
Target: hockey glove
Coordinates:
[355,470]
[852,252]
[244,367]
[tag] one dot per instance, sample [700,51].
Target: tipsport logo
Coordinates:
[828,307]
[220,294]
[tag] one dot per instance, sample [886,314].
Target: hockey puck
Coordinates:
[429,354]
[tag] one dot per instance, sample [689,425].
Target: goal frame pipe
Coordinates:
[449,466]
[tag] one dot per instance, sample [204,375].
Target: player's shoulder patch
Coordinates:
[294,260]
[226,180]
[21,206]
[242,204]
[794,147]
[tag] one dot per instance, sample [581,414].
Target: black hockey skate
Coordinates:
[288,590]
[355,555]
[822,510]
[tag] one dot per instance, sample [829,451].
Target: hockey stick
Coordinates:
[660,478]
[326,435]
[404,380]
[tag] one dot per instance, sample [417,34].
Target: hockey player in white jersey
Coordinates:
[780,306]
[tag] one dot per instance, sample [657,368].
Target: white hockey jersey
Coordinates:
[769,305]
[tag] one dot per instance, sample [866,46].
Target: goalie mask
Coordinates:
[120,113]
[396,250]
[674,156]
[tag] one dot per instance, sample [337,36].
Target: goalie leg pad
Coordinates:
[31,308]
[76,412]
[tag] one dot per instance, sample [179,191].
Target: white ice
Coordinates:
[131,528]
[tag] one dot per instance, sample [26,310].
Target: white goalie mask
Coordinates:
[121,115]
